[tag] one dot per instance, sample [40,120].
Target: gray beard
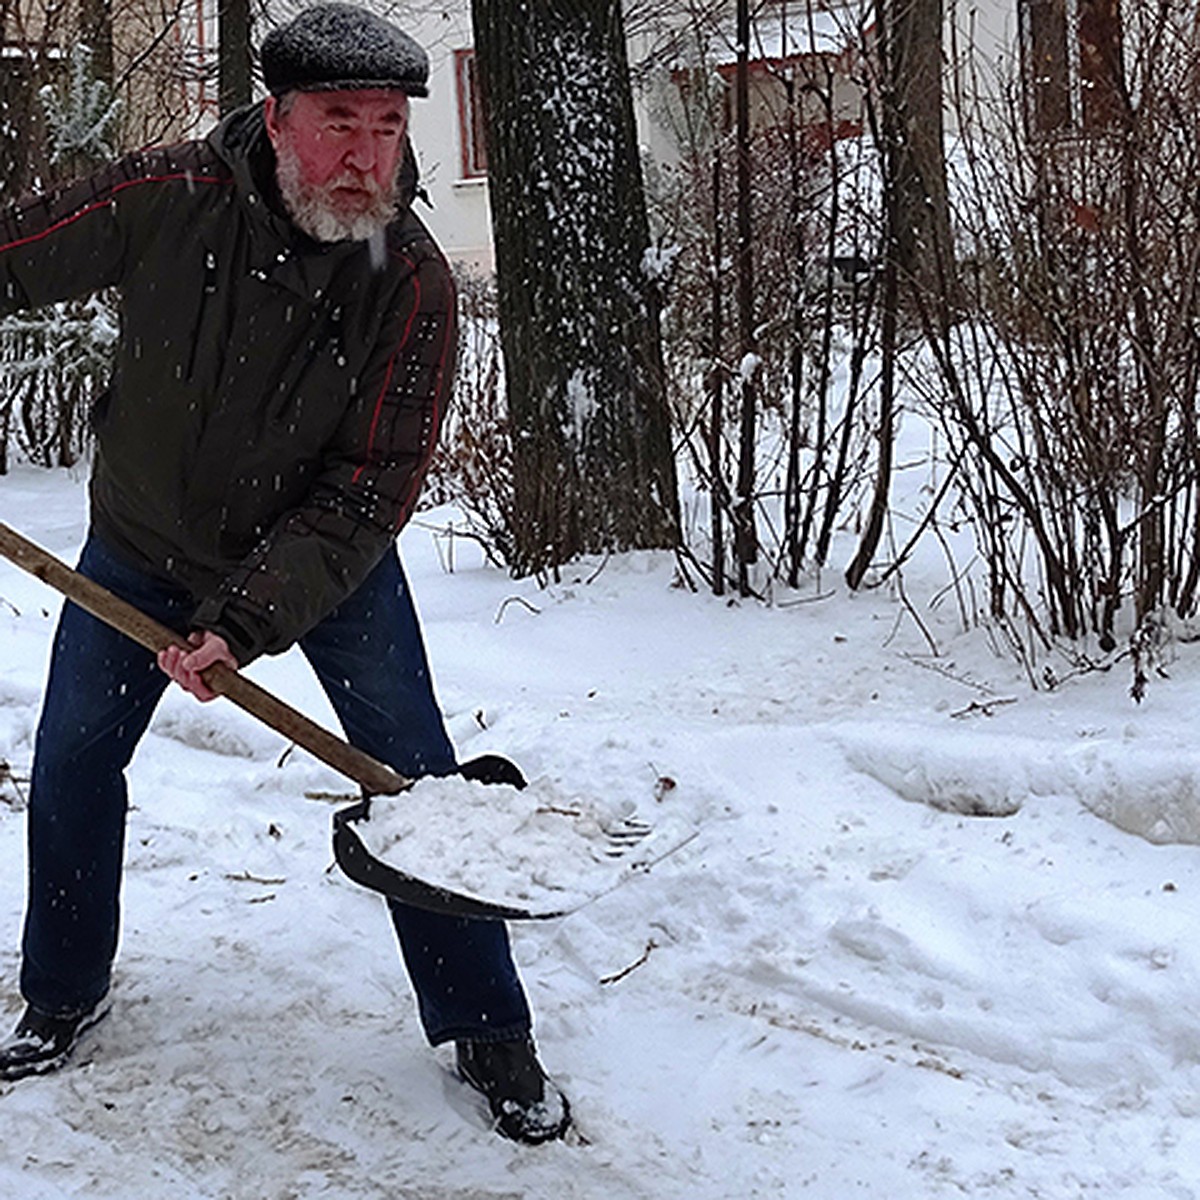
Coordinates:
[312,210]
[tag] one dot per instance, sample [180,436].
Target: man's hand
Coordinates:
[184,666]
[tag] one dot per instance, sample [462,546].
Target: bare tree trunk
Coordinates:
[793,539]
[877,512]
[911,50]
[95,31]
[745,534]
[825,358]
[893,134]
[1045,77]
[593,462]
[233,18]
[716,425]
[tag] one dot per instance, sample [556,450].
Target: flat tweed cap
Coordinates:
[339,47]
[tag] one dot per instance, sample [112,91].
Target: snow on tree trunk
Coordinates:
[593,466]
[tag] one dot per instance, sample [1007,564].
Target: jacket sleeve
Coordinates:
[368,485]
[64,243]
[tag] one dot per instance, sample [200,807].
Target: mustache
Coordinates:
[352,179]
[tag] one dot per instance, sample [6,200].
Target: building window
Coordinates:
[1044,60]
[1072,59]
[1101,66]
[470,116]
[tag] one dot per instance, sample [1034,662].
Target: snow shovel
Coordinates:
[375,778]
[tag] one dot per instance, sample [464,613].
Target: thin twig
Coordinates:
[943,670]
[533,608]
[450,530]
[813,599]
[682,556]
[926,521]
[651,946]
[8,776]
[597,572]
[246,877]
[983,706]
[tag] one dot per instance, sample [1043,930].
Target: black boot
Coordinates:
[525,1105]
[41,1043]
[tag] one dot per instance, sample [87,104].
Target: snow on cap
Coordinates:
[338,47]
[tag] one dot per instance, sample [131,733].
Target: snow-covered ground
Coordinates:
[938,935]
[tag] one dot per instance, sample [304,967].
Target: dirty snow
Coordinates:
[938,937]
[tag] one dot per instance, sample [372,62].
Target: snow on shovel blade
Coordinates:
[361,854]
[360,865]
[519,852]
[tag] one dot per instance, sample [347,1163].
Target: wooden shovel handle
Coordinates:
[376,777]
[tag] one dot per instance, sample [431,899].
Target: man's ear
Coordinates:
[271,115]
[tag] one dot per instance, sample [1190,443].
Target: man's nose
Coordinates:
[361,152]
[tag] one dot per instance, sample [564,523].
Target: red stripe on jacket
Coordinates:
[91,208]
[419,471]
[418,475]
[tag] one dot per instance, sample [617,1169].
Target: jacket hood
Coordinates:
[241,141]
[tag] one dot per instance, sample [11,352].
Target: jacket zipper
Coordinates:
[208,287]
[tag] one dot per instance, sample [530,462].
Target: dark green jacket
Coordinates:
[275,401]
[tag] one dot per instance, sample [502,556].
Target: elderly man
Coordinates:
[286,352]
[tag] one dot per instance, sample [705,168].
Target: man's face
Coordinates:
[338,155]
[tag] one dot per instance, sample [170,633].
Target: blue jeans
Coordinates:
[103,688]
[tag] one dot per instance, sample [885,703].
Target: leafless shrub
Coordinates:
[814,236]
[1068,390]
[472,466]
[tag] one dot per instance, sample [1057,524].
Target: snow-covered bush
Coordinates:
[55,361]
[81,116]
[53,364]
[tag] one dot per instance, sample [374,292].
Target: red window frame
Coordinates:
[473,148]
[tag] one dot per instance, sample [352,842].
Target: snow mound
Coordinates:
[972,774]
[214,729]
[1154,794]
[1151,792]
